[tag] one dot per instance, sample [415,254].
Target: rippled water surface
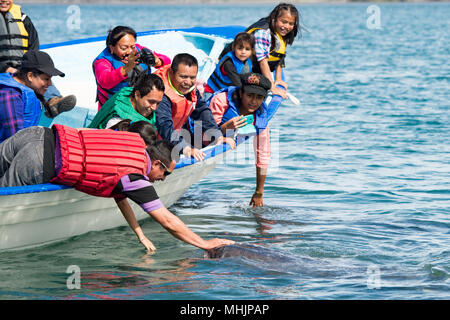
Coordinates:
[358,194]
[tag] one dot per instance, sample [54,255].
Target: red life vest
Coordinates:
[181,107]
[93,161]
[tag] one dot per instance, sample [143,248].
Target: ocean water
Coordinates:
[358,193]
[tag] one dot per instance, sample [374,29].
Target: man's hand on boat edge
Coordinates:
[199,155]
[195,153]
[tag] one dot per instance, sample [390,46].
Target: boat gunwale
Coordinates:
[222,31]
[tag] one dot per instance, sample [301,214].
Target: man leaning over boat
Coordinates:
[17,36]
[103,163]
[183,108]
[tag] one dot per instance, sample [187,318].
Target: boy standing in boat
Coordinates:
[182,106]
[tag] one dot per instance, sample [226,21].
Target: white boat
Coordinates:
[40,214]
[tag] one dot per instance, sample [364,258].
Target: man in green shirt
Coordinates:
[134,103]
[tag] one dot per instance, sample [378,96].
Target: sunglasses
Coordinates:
[166,172]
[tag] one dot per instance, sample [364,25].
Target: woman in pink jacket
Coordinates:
[121,60]
[231,107]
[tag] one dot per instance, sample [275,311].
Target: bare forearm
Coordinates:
[129,216]
[260,179]
[177,228]
[278,73]
[265,69]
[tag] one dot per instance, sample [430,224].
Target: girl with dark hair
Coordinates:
[232,65]
[118,63]
[272,35]
[103,163]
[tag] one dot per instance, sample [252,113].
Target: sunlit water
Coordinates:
[358,195]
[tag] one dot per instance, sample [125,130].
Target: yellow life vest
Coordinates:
[13,36]
[278,49]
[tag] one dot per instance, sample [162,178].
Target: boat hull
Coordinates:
[39,218]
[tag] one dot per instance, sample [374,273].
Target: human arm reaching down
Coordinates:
[261,146]
[142,192]
[172,224]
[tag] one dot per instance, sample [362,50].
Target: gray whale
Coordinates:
[273,260]
[248,251]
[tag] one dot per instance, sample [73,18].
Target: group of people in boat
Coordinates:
[149,108]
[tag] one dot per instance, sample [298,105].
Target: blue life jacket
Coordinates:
[116,63]
[218,80]
[31,104]
[261,118]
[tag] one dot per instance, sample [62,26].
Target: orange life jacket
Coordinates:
[181,107]
[93,161]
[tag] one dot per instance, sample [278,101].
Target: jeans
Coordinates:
[22,158]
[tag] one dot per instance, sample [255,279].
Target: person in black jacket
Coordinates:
[17,36]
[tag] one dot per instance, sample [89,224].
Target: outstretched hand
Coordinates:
[281,83]
[217,243]
[195,153]
[147,244]
[257,200]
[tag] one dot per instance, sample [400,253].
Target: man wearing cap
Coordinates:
[17,36]
[19,104]
[231,107]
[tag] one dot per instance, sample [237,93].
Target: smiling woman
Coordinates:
[114,66]
[20,106]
